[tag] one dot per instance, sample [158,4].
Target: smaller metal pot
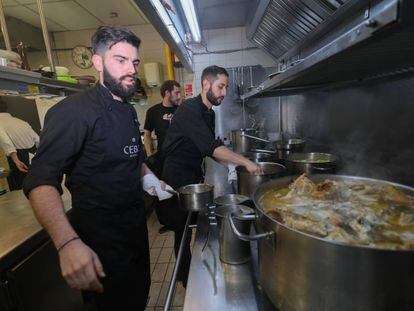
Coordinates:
[311,162]
[247,183]
[233,250]
[196,197]
[286,147]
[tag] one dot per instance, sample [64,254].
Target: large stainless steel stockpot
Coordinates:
[302,272]
[247,183]
[196,197]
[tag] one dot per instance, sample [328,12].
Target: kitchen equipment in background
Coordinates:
[60,70]
[85,80]
[257,156]
[247,183]
[241,143]
[231,199]
[286,147]
[311,162]
[13,59]
[22,50]
[342,276]
[233,250]
[196,197]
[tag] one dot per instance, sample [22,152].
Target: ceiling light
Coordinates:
[191,16]
[166,20]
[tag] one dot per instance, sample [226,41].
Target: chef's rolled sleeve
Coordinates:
[193,126]
[61,140]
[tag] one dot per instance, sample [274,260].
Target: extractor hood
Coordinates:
[317,42]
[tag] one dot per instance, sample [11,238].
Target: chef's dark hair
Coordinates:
[169,86]
[210,73]
[107,36]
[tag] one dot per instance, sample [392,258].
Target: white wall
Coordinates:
[225,39]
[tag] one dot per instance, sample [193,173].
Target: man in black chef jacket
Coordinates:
[93,137]
[189,139]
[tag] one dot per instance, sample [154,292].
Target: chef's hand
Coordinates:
[21,167]
[81,267]
[19,164]
[253,168]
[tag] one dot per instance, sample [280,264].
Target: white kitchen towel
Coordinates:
[232,175]
[152,185]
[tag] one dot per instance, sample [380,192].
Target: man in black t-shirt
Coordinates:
[158,119]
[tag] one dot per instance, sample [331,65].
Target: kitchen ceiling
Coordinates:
[70,15]
[67,15]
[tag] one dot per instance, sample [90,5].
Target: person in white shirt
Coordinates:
[17,139]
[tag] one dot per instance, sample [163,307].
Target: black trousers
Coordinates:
[172,216]
[15,178]
[120,240]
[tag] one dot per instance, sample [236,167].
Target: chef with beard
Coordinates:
[190,138]
[93,137]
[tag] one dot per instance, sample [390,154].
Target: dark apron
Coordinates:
[114,226]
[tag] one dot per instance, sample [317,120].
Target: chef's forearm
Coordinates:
[48,208]
[14,157]
[145,170]
[224,154]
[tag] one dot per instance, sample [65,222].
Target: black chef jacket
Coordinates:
[189,139]
[95,141]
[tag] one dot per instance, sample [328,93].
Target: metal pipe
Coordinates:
[4,30]
[171,287]
[45,35]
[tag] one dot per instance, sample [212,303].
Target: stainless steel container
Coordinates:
[286,147]
[240,142]
[231,199]
[247,183]
[311,162]
[233,250]
[257,156]
[301,272]
[196,197]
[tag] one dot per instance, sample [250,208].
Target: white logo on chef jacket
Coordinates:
[133,149]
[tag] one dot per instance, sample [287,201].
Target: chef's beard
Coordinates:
[116,87]
[213,99]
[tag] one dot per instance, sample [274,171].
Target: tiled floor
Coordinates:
[162,265]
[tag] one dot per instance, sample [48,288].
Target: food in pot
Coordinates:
[354,212]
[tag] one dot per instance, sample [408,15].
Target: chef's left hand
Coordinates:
[163,185]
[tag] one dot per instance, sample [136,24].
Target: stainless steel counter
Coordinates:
[213,285]
[17,221]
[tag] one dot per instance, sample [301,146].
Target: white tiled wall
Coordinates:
[217,40]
